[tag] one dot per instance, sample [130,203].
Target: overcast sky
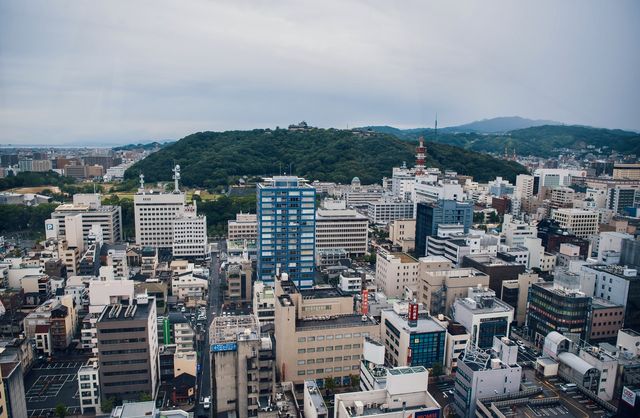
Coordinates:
[122,71]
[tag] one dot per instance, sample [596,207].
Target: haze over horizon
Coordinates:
[118,72]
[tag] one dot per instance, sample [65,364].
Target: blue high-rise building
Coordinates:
[286,229]
[430,215]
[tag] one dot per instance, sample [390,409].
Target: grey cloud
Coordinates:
[117,71]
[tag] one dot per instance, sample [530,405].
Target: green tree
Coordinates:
[355,380]
[437,370]
[107,405]
[330,384]
[144,397]
[61,410]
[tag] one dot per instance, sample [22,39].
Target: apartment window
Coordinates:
[300,372]
[337,369]
[301,362]
[311,339]
[301,351]
[328,370]
[302,339]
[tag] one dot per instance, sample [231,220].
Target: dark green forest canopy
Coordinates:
[542,141]
[214,159]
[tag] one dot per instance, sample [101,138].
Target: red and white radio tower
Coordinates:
[420,156]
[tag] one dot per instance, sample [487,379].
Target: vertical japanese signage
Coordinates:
[364,305]
[413,314]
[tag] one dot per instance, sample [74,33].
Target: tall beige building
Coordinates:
[440,288]
[242,367]
[4,411]
[402,232]
[318,333]
[395,271]
[342,228]
[626,171]
[524,186]
[515,293]
[245,226]
[580,222]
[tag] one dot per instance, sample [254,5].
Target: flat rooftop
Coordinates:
[617,270]
[343,321]
[425,323]
[322,293]
[405,258]
[122,312]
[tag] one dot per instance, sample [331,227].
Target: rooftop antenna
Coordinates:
[436,128]
[142,182]
[176,178]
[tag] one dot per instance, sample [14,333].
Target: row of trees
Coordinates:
[29,219]
[34,179]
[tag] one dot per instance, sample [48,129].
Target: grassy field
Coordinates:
[37,189]
[204,195]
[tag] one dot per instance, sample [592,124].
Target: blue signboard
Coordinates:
[224,347]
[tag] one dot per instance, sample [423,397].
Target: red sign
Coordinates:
[364,305]
[413,312]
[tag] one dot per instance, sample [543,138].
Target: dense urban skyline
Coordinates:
[115,73]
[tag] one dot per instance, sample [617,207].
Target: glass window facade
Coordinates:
[286,230]
[427,349]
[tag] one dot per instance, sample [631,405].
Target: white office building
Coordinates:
[190,234]
[92,212]
[582,223]
[341,229]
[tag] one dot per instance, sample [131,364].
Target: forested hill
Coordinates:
[213,159]
[544,141]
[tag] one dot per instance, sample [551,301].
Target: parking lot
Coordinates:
[51,383]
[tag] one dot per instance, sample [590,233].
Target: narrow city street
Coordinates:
[213,309]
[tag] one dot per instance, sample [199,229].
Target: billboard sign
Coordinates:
[224,347]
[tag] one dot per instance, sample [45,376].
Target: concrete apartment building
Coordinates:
[190,234]
[89,386]
[322,334]
[383,211]
[245,226]
[626,171]
[342,228]
[395,271]
[483,374]
[402,233]
[483,315]
[405,395]
[54,321]
[4,410]
[128,349]
[495,267]
[264,302]
[516,292]
[619,285]
[439,289]
[14,394]
[582,223]
[242,366]
[515,231]
[92,212]
[605,320]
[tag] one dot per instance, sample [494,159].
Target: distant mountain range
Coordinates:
[540,138]
[487,126]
